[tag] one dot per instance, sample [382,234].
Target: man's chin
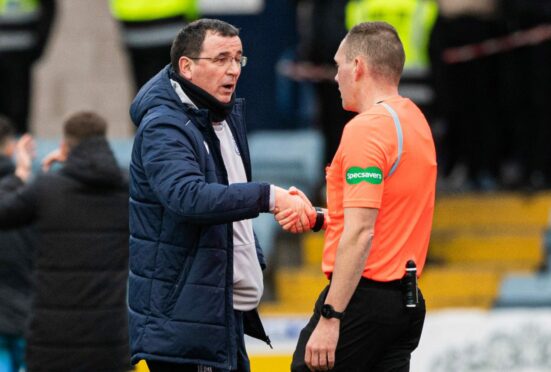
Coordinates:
[224,98]
[348,107]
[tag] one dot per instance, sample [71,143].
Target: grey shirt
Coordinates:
[247,275]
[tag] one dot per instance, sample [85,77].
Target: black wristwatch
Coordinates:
[328,312]
[320,220]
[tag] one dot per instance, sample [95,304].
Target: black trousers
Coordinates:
[243,364]
[377,333]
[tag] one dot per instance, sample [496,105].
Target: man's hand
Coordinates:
[311,212]
[24,155]
[321,347]
[295,210]
[298,216]
[55,156]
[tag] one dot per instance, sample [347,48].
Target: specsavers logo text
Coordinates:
[355,175]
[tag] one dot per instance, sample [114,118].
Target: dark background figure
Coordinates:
[524,94]
[78,314]
[321,27]
[494,104]
[147,29]
[266,36]
[24,32]
[414,20]
[468,104]
[16,249]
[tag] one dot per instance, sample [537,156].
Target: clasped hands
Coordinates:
[293,211]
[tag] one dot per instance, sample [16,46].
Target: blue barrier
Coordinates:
[525,291]
[285,158]
[547,247]
[122,148]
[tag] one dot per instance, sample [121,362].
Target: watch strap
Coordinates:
[329,312]
[320,220]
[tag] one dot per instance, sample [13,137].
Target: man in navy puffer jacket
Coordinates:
[195,264]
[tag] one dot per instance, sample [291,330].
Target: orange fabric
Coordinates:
[356,178]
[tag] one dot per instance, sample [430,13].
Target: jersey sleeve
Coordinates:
[368,150]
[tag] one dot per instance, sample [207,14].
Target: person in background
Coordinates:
[414,21]
[380,202]
[195,263]
[524,88]
[147,29]
[16,249]
[469,97]
[321,27]
[25,28]
[78,318]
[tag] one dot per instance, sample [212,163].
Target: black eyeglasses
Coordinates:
[225,60]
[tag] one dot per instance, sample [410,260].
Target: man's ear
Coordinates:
[186,67]
[359,68]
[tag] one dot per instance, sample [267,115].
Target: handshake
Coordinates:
[293,211]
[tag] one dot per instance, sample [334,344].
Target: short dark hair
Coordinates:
[7,130]
[83,125]
[380,44]
[189,41]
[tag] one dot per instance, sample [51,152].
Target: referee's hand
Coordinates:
[320,349]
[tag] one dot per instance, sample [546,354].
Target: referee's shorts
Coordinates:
[377,333]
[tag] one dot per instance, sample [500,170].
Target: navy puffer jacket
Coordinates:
[181,214]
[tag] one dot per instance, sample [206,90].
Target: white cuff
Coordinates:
[272,198]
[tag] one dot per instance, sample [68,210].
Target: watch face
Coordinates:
[326,311]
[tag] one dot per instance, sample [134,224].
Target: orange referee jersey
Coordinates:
[360,177]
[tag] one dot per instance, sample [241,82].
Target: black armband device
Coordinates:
[328,312]
[320,220]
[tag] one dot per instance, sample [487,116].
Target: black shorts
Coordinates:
[377,333]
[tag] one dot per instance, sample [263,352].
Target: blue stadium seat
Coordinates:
[547,247]
[285,158]
[288,158]
[525,291]
[266,229]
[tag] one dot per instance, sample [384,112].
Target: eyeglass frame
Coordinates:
[241,63]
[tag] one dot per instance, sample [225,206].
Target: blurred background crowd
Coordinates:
[479,69]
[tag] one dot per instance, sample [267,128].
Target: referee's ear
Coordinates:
[360,68]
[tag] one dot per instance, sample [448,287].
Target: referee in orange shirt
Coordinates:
[380,199]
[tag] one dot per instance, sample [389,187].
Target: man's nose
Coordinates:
[235,67]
